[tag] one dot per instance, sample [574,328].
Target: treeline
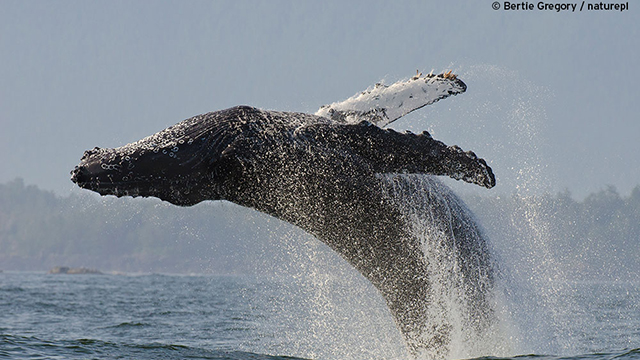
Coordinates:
[596,238]
[39,230]
[593,238]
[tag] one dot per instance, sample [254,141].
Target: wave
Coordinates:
[618,355]
[128,324]
[29,347]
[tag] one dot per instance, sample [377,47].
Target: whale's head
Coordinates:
[162,174]
[184,164]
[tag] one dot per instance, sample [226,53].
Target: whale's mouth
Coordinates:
[108,184]
[111,172]
[148,174]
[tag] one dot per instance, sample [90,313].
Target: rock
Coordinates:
[68,270]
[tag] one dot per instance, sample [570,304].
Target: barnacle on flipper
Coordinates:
[449,75]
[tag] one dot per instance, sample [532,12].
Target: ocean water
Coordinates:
[156,316]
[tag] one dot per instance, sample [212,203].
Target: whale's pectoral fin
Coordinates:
[384,104]
[388,151]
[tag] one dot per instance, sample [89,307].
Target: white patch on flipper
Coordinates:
[384,104]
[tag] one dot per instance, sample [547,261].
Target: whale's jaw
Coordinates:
[134,172]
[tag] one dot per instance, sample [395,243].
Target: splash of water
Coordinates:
[464,308]
[534,282]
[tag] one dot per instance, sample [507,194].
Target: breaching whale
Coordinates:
[342,177]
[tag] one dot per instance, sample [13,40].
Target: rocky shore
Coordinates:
[69,270]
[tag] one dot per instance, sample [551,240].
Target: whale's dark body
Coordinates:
[327,178]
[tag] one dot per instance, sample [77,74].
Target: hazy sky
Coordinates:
[552,100]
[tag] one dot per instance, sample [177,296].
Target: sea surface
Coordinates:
[91,316]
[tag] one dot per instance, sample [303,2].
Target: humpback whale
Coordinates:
[342,177]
